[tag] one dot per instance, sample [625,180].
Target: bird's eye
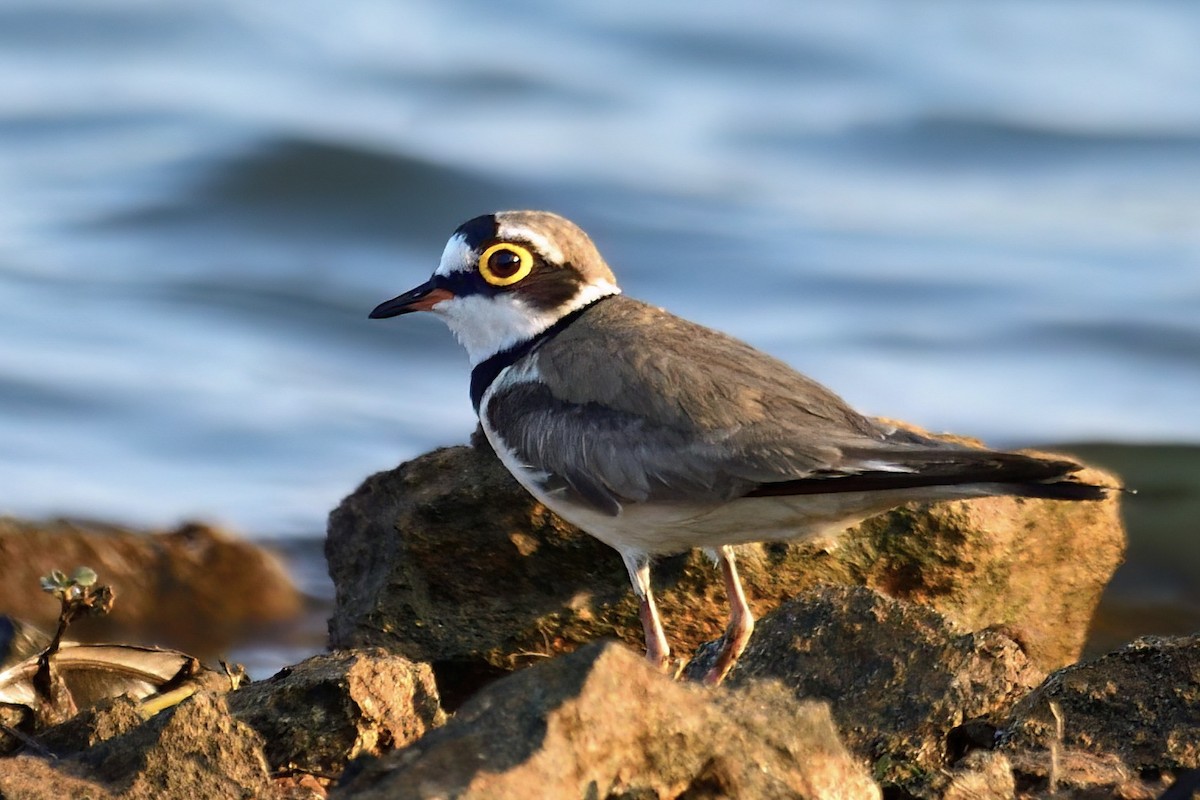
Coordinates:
[504,264]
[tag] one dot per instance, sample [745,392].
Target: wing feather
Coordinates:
[700,417]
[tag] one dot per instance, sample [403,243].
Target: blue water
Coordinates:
[981,217]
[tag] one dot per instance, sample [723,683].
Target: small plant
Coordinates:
[42,685]
[69,588]
[80,597]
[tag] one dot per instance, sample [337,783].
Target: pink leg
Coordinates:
[657,650]
[741,620]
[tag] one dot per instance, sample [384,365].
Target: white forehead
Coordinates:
[457,257]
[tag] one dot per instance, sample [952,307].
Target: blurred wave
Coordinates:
[980,218]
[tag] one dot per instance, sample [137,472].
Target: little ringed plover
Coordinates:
[657,435]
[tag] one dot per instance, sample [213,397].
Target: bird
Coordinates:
[657,435]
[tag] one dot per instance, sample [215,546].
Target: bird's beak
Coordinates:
[422,298]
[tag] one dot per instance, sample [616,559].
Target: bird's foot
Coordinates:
[727,656]
[660,662]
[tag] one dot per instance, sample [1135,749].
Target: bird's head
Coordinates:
[506,277]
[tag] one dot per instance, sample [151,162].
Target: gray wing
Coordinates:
[700,417]
[697,417]
[608,457]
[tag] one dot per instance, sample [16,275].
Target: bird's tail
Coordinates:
[1064,489]
[947,469]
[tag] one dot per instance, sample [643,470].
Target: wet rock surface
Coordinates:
[318,715]
[195,588]
[447,559]
[599,723]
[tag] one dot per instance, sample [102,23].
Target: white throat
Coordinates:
[487,325]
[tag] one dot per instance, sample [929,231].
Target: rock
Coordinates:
[599,723]
[1080,776]
[80,676]
[899,676]
[194,749]
[194,588]
[981,775]
[329,709]
[31,778]
[1139,704]
[114,704]
[446,559]
[1033,568]
[106,720]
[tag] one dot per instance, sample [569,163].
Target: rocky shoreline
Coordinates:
[194,587]
[481,649]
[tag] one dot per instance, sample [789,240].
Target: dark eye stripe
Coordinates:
[463,284]
[477,231]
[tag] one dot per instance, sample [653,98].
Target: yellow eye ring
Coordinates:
[505,263]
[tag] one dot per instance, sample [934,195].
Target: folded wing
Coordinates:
[702,417]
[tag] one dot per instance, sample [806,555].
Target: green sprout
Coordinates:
[80,597]
[69,588]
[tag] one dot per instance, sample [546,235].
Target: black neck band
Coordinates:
[486,371]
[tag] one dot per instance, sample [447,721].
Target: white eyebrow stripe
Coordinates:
[548,249]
